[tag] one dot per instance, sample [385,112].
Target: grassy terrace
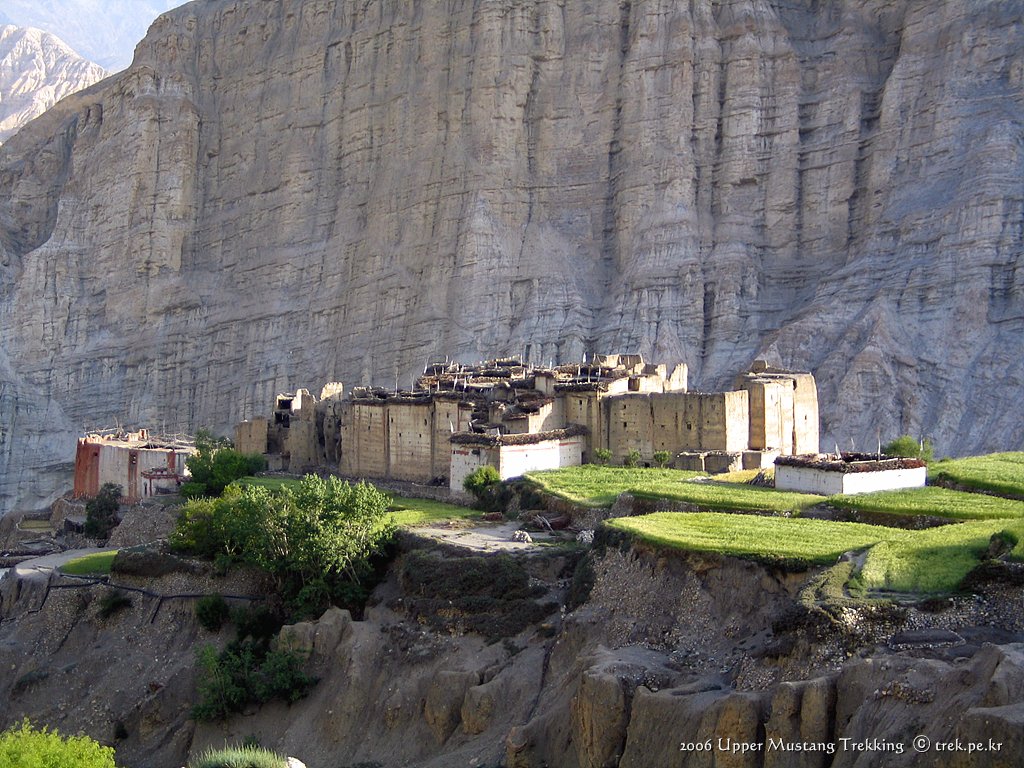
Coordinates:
[407,512]
[96,564]
[1001,473]
[594,486]
[768,539]
[933,560]
[935,502]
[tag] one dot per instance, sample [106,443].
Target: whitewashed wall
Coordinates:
[810,480]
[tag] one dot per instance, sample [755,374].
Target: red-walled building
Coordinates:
[142,465]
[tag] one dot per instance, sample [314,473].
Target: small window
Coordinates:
[623,425]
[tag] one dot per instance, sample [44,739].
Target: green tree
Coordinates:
[632,458]
[323,533]
[662,458]
[602,456]
[215,465]
[907,447]
[101,511]
[22,746]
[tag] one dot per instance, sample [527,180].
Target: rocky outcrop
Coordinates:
[279,194]
[36,71]
[689,685]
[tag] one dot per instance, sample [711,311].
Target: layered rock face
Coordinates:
[36,71]
[279,194]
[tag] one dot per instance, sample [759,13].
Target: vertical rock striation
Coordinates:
[276,194]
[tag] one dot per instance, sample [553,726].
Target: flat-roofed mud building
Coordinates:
[517,418]
[143,465]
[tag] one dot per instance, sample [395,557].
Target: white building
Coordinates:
[847,473]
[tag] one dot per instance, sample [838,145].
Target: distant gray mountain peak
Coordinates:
[105,32]
[37,69]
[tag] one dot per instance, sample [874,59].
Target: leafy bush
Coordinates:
[257,622]
[907,447]
[662,458]
[321,530]
[480,481]
[101,511]
[216,465]
[632,458]
[25,747]
[212,611]
[239,757]
[602,456]
[245,672]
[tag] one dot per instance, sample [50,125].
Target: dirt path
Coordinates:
[486,537]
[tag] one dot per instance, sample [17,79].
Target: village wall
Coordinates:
[771,414]
[251,436]
[409,441]
[515,460]
[464,460]
[630,426]
[805,409]
[402,440]
[676,422]
[584,408]
[301,446]
[829,483]
[329,431]
[364,439]
[450,416]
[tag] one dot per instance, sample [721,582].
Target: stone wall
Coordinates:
[251,435]
[400,440]
[675,422]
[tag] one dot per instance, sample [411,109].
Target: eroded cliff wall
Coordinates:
[278,194]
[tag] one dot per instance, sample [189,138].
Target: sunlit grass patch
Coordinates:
[96,564]
[933,501]
[767,539]
[927,561]
[408,511]
[1001,473]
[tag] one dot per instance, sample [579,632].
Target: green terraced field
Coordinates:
[935,502]
[596,486]
[929,561]
[96,564]
[1001,473]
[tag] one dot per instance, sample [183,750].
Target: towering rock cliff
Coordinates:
[36,71]
[277,194]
